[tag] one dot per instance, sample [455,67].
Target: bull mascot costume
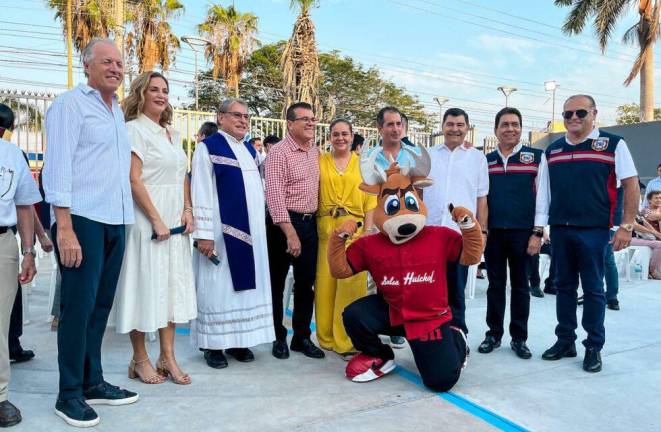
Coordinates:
[408,262]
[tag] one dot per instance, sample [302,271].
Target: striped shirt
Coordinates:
[88,158]
[292,179]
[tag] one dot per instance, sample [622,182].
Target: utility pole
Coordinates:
[119,40]
[69,47]
[551,86]
[195,43]
[507,91]
[440,100]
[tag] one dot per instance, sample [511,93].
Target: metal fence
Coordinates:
[30,108]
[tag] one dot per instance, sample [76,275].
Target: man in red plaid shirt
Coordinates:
[292,193]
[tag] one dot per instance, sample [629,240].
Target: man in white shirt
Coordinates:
[653,185]
[86,180]
[461,178]
[577,198]
[18,192]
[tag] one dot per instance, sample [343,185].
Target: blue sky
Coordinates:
[462,49]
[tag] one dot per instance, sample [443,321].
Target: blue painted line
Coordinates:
[490,417]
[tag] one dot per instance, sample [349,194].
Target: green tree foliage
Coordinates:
[346,89]
[630,114]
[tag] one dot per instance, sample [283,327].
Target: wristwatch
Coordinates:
[538,233]
[627,227]
[29,250]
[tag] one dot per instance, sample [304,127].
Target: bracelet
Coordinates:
[188,209]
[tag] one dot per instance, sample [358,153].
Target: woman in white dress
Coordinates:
[156,284]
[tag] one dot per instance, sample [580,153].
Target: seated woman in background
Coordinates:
[648,232]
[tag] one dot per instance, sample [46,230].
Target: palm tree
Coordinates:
[232,37]
[90,19]
[151,39]
[645,32]
[300,62]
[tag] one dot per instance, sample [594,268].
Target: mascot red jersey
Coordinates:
[408,263]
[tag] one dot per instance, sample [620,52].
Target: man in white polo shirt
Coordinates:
[18,192]
[461,178]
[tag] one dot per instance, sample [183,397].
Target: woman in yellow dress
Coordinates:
[339,199]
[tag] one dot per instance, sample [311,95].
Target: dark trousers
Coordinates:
[305,271]
[508,248]
[16,322]
[86,299]
[457,275]
[550,279]
[580,252]
[439,361]
[610,271]
[533,270]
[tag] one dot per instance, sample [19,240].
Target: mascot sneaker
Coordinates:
[465,339]
[364,368]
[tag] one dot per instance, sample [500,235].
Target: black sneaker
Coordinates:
[613,305]
[76,412]
[108,394]
[592,360]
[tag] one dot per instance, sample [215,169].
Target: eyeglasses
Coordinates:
[237,115]
[581,113]
[306,119]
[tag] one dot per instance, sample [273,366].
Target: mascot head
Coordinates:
[400,213]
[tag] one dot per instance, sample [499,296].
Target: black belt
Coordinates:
[302,216]
[4,230]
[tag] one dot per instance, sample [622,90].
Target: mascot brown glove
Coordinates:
[337,256]
[472,234]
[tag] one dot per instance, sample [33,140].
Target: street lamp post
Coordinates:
[551,86]
[194,43]
[507,91]
[440,100]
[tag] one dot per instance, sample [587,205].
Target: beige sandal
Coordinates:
[152,379]
[161,368]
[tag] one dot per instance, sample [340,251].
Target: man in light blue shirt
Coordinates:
[653,185]
[86,181]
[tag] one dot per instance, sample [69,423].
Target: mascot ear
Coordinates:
[421,181]
[370,189]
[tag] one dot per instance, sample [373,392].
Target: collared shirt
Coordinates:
[461,176]
[292,179]
[403,158]
[17,187]
[88,157]
[624,168]
[543,165]
[652,185]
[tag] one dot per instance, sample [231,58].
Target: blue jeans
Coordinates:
[610,272]
[580,252]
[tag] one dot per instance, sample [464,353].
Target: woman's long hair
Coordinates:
[135,101]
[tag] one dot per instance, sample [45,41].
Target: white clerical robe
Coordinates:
[228,318]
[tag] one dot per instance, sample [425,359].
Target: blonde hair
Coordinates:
[135,101]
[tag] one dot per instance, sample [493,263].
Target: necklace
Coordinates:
[342,164]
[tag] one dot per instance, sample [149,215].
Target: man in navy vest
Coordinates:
[513,170]
[577,197]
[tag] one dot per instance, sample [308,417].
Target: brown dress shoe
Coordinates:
[9,414]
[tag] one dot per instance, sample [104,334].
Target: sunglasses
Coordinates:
[581,113]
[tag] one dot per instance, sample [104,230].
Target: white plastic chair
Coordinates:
[643,253]
[471,281]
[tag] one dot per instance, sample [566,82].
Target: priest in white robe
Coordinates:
[234,293]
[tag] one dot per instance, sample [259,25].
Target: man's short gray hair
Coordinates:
[86,56]
[227,103]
